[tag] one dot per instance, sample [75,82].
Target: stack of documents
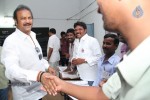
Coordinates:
[66,75]
[79,82]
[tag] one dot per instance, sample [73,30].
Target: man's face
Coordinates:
[80,31]
[63,36]
[109,14]
[70,37]
[50,34]
[24,21]
[108,46]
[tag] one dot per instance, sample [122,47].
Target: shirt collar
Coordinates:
[84,37]
[21,34]
[135,65]
[110,60]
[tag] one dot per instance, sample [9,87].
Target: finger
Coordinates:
[42,88]
[51,86]
[54,82]
[47,84]
[54,72]
[54,89]
[46,88]
[54,85]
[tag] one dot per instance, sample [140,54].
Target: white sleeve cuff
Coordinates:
[32,75]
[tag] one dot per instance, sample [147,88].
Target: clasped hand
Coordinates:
[47,80]
[51,84]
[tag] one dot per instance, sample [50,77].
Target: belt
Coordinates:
[21,83]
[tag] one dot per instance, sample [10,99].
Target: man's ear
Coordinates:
[15,22]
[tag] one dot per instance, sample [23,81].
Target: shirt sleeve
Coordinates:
[45,63]
[50,42]
[74,50]
[99,76]
[112,87]
[10,59]
[95,52]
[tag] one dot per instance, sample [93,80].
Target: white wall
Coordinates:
[53,13]
[95,18]
[47,13]
[2,8]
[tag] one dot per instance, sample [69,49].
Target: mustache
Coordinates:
[27,24]
[105,48]
[77,33]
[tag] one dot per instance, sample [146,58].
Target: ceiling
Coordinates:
[44,9]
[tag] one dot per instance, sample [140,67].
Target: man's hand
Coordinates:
[51,71]
[67,69]
[78,61]
[48,83]
[102,82]
[54,88]
[73,71]
[67,55]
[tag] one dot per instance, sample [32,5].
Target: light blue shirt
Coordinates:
[107,66]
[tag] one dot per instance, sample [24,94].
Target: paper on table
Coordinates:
[61,69]
[82,83]
[65,75]
[71,76]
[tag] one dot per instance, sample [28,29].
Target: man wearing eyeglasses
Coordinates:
[23,59]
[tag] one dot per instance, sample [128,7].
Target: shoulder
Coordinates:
[116,58]
[11,37]
[92,38]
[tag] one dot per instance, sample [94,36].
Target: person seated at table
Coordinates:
[107,63]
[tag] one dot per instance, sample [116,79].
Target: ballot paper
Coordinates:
[79,82]
[62,68]
[66,75]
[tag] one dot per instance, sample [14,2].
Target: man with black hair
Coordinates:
[23,59]
[64,49]
[86,53]
[70,34]
[107,63]
[53,47]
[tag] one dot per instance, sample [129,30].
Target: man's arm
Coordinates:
[96,53]
[48,84]
[80,92]
[49,53]
[78,61]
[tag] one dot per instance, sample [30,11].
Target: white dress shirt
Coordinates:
[71,48]
[54,42]
[87,48]
[23,64]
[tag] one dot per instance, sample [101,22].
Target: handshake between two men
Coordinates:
[50,82]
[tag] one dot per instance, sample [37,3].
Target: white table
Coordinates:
[70,77]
